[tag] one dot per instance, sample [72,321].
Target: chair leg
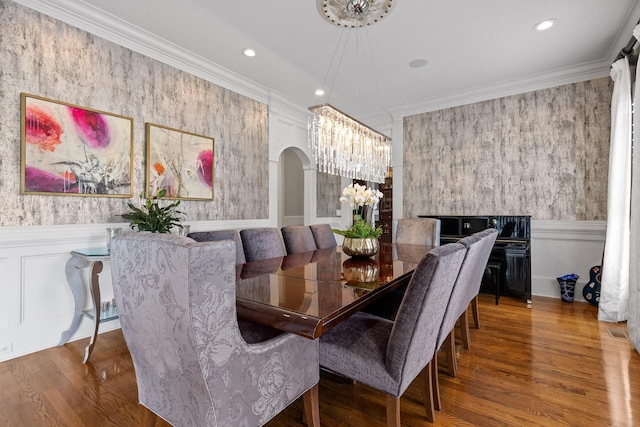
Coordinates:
[464,328]
[449,346]
[310,407]
[146,417]
[393,411]
[435,384]
[427,376]
[474,308]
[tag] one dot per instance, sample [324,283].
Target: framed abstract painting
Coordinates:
[74,151]
[180,163]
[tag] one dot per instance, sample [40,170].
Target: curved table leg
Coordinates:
[96,268]
[73,271]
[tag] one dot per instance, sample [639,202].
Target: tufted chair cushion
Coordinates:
[177,306]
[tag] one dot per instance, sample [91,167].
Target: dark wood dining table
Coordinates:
[308,293]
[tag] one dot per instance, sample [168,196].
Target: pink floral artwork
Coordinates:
[180,163]
[71,150]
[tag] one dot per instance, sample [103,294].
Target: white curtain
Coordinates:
[614,293]
[633,321]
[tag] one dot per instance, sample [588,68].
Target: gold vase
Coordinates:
[360,247]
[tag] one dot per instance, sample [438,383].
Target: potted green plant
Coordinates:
[151,216]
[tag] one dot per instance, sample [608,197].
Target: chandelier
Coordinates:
[340,144]
[343,146]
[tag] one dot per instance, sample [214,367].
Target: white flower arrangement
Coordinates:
[359,195]
[362,201]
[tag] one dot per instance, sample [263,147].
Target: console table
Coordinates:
[80,262]
[511,251]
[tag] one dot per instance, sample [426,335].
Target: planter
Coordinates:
[360,247]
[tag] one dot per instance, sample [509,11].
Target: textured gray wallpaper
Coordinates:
[45,57]
[542,153]
[328,192]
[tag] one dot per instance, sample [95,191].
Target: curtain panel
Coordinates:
[614,292]
[633,318]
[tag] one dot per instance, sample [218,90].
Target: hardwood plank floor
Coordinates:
[550,365]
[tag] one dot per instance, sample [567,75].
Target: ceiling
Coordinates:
[475,49]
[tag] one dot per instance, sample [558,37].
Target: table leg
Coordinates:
[73,271]
[96,268]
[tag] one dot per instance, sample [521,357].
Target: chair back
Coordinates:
[152,275]
[262,243]
[418,231]
[481,252]
[177,304]
[467,285]
[413,338]
[217,235]
[298,238]
[323,236]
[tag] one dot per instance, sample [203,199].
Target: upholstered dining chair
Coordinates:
[389,355]
[323,236]
[217,235]
[467,287]
[488,238]
[177,310]
[298,238]
[262,243]
[418,231]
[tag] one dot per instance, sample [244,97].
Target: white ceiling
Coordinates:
[475,49]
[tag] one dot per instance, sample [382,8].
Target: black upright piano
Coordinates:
[511,253]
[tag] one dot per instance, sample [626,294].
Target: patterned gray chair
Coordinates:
[323,236]
[217,235]
[389,355]
[262,243]
[467,287]
[418,231]
[298,238]
[177,304]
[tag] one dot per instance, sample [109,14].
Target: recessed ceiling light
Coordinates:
[319,92]
[418,63]
[249,52]
[544,25]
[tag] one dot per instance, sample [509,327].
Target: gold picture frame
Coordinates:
[71,150]
[179,162]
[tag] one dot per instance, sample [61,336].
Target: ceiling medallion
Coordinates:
[354,13]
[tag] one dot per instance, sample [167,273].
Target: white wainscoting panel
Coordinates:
[4,295]
[564,247]
[36,304]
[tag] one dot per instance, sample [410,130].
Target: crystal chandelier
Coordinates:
[340,144]
[343,146]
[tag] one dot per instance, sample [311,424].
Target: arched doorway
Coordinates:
[291,185]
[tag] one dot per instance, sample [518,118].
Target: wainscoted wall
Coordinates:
[541,153]
[45,57]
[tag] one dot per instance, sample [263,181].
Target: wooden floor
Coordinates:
[549,365]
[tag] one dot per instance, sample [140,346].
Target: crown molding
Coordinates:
[531,83]
[95,21]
